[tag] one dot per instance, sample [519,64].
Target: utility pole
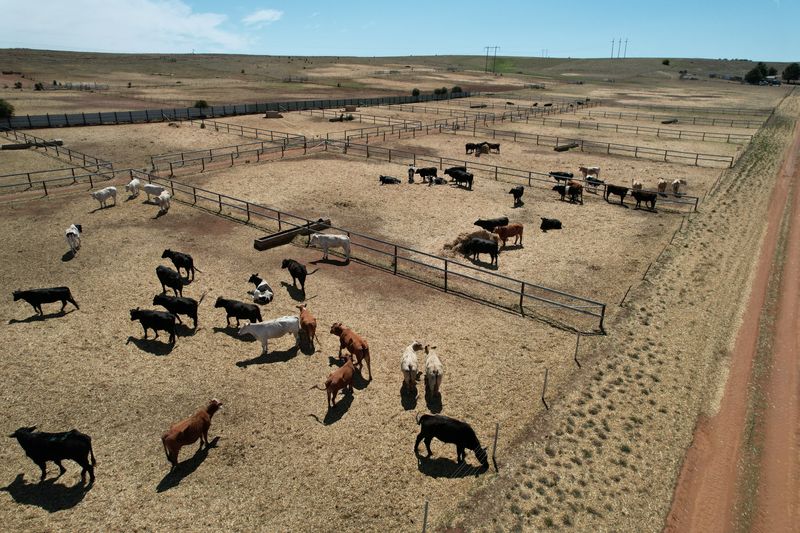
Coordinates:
[625,54]
[486,63]
[619,47]
[494,63]
[612,48]
[494,60]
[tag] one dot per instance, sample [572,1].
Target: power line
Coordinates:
[625,54]
[612,48]
[494,61]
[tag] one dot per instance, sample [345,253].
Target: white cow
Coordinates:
[636,185]
[589,171]
[676,186]
[73,236]
[133,187]
[103,195]
[662,185]
[434,372]
[151,189]
[325,241]
[263,293]
[272,329]
[409,365]
[163,202]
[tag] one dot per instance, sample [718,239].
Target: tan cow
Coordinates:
[354,343]
[339,379]
[187,431]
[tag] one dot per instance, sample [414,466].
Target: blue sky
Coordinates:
[753,29]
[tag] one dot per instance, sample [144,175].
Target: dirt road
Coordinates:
[709,484]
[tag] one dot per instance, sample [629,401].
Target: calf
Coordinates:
[298,272]
[494,147]
[37,297]
[589,171]
[308,324]
[354,343]
[409,366]
[463,178]
[133,187]
[594,182]
[451,431]
[43,447]
[617,190]
[155,320]
[662,186]
[163,201]
[549,223]
[181,261]
[572,189]
[325,241]
[187,432]
[490,223]
[151,189]
[238,310]
[170,278]
[263,293]
[411,170]
[636,185]
[477,246]
[434,372]
[561,176]
[341,378]
[646,197]
[676,186]
[388,180]
[103,195]
[517,191]
[426,173]
[470,147]
[506,232]
[73,236]
[272,329]
[179,306]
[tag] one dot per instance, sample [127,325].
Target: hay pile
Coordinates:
[456,246]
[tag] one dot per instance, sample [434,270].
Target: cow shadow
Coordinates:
[335,413]
[307,346]
[96,209]
[294,293]
[160,214]
[183,330]
[152,346]
[68,256]
[131,197]
[482,264]
[511,247]
[233,332]
[48,495]
[408,398]
[359,381]
[270,357]
[437,467]
[434,402]
[39,318]
[186,468]
[329,261]
[517,206]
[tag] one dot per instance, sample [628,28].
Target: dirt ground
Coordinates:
[31,160]
[275,444]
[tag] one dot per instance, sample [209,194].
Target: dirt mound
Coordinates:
[456,246]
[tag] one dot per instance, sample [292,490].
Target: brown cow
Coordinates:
[354,343]
[339,379]
[308,324]
[187,431]
[512,230]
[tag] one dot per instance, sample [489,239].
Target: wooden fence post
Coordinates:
[425,518]
[544,390]
[494,446]
[445,275]
[577,343]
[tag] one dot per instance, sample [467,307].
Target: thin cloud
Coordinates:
[263,16]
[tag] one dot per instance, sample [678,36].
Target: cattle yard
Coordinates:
[274,442]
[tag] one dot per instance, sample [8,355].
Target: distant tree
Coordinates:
[772,71]
[6,109]
[38,86]
[415,91]
[242,71]
[762,68]
[200,104]
[665,62]
[443,90]
[456,89]
[18,85]
[129,85]
[55,83]
[791,72]
[754,76]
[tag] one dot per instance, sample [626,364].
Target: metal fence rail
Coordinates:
[443,273]
[744,111]
[72,156]
[27,179]
[185,113]
[698,121]
[48,184]
[531,178]
[361,117]
[272,136]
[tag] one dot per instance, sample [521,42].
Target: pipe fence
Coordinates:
[186,113]
[442,273]
[272,136]
[28,178]
[66,154]
[361,117]
[23,182]
[697,121]
[744,111]
[531,178]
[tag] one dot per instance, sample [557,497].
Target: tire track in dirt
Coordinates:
[707,489]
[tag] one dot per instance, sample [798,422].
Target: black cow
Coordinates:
[388,180]
[517,191]
[170,278]
[463,178]
[550,223]
[494,146]
[451,170]
[476,246]
[646,197]
[561,176]
[470,147]
[298,272]
[178,305]
[593,181]
[42,447]
[181,261]
[239,310]
[490,223]
[618,190]
[37,297]
[411,174]
[426,173]
[575,192]
[155,320]
[451,431]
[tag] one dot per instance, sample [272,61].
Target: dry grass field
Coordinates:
[604,457]
[31,160]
